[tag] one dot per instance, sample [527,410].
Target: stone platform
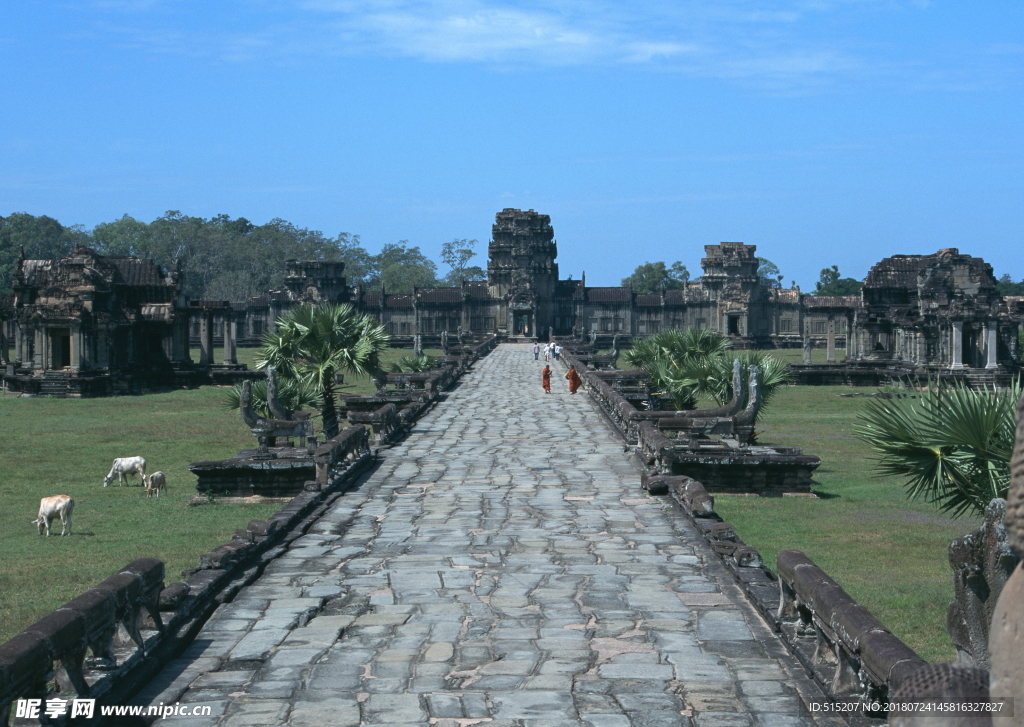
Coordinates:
[501,567]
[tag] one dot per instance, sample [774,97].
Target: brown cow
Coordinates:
[157,482]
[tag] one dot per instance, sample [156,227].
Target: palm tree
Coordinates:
[314,343]
[292,394]
[951,443]
[414,365]
[676,359]
[717,382]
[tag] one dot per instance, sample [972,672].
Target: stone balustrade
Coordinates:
[106,620]
[851,655]
[846,648]
[384,421]
[131,625]
[339,454]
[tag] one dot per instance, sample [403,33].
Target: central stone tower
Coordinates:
[522,272]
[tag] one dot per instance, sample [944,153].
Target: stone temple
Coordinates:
[118,318]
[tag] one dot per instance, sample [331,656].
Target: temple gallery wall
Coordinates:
[92,325]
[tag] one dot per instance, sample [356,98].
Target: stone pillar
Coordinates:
[76,348]
[830,341]
[956,349]
[851,338]
[230,337]
[181,332]
[4,344]
[42,350]
[205,338]
[991,345]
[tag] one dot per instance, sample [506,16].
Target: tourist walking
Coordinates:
[536,351]
[558,352]
[547,353]
[545,378]
[574,379]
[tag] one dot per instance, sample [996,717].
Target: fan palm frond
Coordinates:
[951,444]
[314,343]
[293,394]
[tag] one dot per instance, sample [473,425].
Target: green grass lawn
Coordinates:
[353,384]
[66,446]
[888,553]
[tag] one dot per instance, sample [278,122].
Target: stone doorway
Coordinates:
[60,348]
[521,323]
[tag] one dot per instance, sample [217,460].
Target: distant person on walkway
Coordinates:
[558,352]
[574,379]
[547,353]
[545,378]
[536,351]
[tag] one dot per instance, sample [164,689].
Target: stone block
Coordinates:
[328,711]
[256,645]
[172,597]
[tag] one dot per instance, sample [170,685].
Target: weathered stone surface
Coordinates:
[502,564]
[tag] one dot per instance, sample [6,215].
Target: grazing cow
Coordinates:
[157,482]
[123,467]
[53,507]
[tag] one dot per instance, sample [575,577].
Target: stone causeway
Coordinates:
[501,566]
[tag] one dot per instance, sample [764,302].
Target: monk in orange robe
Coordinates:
[545,379]
[574,379]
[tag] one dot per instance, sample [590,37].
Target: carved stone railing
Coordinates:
[384,421]
[131,625]
[851,655]
[982,562]
[340,454]
[846,649]
[105,621]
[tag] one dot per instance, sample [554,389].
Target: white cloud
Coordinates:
[779,45]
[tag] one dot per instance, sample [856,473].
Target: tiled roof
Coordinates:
[609,295]
[675,297]
[398,301]
[648,299]
[477,290]
[138,272]
[371,298]
[439,295]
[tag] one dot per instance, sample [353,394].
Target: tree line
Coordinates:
[233,259]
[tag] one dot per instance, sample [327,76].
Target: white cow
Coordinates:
[157,482]
[123,467]
[53,507]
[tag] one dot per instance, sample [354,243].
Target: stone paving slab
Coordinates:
[501,567]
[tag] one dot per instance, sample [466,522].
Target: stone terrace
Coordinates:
[502,567]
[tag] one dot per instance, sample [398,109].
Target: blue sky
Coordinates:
[823,131]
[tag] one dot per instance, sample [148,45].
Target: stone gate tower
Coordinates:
[522,272]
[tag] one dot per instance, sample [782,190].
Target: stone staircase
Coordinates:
[55,384]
